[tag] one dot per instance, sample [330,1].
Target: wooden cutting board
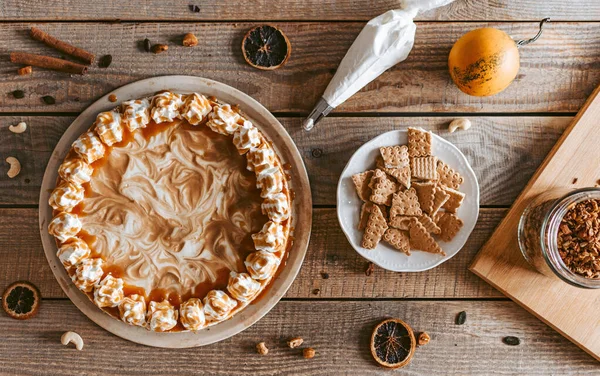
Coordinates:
[572,311]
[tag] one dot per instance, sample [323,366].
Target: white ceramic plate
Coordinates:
[302,208]
[385,256]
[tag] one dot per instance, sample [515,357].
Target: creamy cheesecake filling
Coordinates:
[173,208]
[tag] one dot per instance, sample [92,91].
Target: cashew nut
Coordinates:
[19,128]
[72,337]
[15,167]
[463,124]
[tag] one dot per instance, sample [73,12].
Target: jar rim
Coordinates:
[549,237]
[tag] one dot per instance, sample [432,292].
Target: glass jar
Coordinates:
[538,232]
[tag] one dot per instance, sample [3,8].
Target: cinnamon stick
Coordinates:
[49,40]
[47,62]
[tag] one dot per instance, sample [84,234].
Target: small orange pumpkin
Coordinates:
[485,61]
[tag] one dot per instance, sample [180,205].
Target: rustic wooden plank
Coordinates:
[338,331]
[329,252]
[331,10]
[504,151]
[557,72]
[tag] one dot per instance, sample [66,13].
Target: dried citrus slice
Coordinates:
[21,300]
[266,47]
[393,343]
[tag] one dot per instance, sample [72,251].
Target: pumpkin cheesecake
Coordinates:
[172,212]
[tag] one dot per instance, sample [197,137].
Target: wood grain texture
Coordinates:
[500,262]
[260,10]
[338,331]
[329,252]
[503,151]
[557,73]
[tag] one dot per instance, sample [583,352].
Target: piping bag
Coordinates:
[384,41]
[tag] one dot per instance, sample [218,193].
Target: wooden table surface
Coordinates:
[511,134]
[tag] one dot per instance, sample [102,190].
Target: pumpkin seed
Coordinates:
[511,341]
[48,99]
[18,94]
[461,318]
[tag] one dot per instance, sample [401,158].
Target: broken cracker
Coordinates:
[449,225]
[424,168]
[405,203]
[400,222]
[383,188]
[429,224]
[394,156]
[361,182]
[365,211]
[419,143]
[426,195]
[448,176]
[421,239]
[455,199]
[439,199]
[397,239]
[401,174]
[376,226]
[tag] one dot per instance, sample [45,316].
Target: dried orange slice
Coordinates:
[266,47]
[393,343]
[21,300]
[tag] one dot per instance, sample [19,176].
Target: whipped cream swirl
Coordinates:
[191,314]
[64,226]
[166,107]
[133,310]
[261,158]
[218,305]
[66,196]
[271,238]
[73,252]
[242,287]
[162,316]
[224,120]
[109,292]
[75,171]
[89,147]
[108,127]
[136,114]
[195,108]
[88,273]
[270,181]
[262,265]
[276,207]
[246,137]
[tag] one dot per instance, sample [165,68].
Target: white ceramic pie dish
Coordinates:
[384,255]
[302,211]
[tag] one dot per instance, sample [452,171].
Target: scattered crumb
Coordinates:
[262,349]
[575,180]
[423,339]
[316,291]
[112,98]
[325,275]
[370,269]
[295,342]
[308,353]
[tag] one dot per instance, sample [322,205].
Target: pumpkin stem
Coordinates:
[525,42]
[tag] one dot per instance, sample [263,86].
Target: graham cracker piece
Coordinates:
[424,168]
[455,199]
[394,156]
[429,224]
[365,211]
[448,176]
[397,239]
[450,225]
[405,203]
[361,182]
[401,174]
[421,239]
[439,199]
[376,226]
[419,143]
[400,222]
[383,188]
[426,195]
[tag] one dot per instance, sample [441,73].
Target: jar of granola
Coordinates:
[559,235]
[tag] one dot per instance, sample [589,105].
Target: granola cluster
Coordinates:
[579,238]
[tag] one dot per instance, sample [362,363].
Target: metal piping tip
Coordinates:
[322,109]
